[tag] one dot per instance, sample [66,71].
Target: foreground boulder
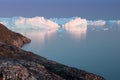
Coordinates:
[17,64]
[9,37]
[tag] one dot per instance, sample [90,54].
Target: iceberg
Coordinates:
[73,24]
[36,23]
[113,22]
[76,25]
[61,21]
[96,22]
[118,22]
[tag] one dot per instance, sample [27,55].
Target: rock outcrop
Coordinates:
[15,61]
[17,64]
[9,37]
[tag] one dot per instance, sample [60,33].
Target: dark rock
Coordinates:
[12,38]
[41,68]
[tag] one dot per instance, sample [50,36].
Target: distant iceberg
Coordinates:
[69,24]
[62,21]
[96,22]
[77,27]
[35,23]
[118,22]
[77,24]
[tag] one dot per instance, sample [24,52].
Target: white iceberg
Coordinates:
[36,23]
[61,21]
[118,22]
[76,25]
[96,22]
[73,24]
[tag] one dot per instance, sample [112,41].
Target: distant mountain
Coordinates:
[17,64]
[12,38]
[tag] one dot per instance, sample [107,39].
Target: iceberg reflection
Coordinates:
[39,37]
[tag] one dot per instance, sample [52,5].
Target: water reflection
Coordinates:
[39,37]
[79,34]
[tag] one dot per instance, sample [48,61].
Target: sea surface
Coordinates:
[97,50]
[91,45]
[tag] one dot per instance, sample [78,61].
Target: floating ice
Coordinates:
[76,25]
[105,29]
[118,22]
[36,23]
[70,24]
[96,22]
[62,21]
[113,22]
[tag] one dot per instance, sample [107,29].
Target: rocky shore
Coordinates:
[17,64]
[9,37]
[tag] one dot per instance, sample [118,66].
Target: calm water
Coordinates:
[96,50]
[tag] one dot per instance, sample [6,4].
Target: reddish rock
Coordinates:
[12,38]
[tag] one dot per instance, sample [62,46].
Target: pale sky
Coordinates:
[91,9]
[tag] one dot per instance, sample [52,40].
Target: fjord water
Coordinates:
[96,50]
[91,45]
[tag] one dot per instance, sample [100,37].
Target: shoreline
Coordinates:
[14,60]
